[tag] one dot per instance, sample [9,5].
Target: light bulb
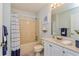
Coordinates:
[55,5]
[52,5]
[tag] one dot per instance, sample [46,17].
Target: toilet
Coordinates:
[37,49]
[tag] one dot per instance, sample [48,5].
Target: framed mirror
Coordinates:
[65,20]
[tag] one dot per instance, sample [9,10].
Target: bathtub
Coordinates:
[27,49]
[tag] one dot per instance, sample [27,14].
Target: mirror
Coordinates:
[65,20]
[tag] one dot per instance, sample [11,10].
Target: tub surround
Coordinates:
[15,35]
[55,41]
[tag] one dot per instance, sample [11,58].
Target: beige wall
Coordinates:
[27,30]
[45,11]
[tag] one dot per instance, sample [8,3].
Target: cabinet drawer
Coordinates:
[67,52]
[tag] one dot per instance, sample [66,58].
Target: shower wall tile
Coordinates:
[15,34]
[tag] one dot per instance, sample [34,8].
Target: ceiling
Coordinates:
[65,7]
[29,7]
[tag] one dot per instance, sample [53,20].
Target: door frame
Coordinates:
[1,7]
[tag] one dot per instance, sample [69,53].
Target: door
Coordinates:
[0,28]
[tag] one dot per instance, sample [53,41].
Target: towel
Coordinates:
[5,32]
[63,31]
[4,41]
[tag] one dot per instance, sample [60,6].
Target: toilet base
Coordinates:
[37,54]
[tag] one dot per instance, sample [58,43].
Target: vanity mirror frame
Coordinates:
[71,8]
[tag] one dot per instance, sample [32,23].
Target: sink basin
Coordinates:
[66,42]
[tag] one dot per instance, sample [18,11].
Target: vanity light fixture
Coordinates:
[55,5]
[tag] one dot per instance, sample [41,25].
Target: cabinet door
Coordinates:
[47,49]
[51,49]
[66,53]
[56,50]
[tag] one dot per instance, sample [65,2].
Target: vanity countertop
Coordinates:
[58,42]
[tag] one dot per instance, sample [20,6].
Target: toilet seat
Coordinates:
[38,47]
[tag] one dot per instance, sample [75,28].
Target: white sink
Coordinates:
[66,42]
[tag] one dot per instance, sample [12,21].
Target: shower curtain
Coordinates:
[27,30]
[27,34]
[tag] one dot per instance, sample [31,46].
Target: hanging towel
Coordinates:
[63,31]
[4,41]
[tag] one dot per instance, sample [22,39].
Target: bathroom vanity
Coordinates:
[54,47]
[64,22]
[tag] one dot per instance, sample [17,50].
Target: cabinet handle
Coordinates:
[50,45]
[63,51]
